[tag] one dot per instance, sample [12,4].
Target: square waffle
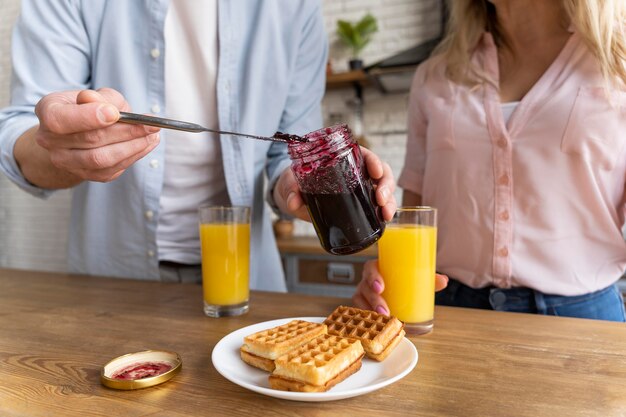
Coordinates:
[262,348]
[318,365]
[378,333]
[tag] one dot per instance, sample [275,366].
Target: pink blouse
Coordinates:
[537,202]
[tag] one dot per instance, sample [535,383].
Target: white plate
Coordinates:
[373,375]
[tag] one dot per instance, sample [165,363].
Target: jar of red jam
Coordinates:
[337,190]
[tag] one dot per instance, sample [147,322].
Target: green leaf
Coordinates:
[367,26]
[357,35]
[345,30]
[359,43]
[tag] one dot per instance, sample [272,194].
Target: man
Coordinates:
[251,66]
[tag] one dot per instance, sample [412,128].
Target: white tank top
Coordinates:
[508,109]
[194,173]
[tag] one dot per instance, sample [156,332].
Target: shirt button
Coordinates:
[154,163]
[155,53]
[502,142]
[504,215]
[149,214]
[227,86]
[239,189]
[155,109]
[504,252]
[504,180]
[150,253]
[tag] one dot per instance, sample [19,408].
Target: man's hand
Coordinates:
[81,140]
[384,183]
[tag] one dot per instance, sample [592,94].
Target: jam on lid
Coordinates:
[140,369]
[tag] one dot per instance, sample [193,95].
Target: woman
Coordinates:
[517,133]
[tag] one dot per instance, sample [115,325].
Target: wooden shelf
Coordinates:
[347,79]
[311,245]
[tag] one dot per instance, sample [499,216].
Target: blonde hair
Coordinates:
[600,24]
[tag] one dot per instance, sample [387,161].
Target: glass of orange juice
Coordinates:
[406,259]
[225,245]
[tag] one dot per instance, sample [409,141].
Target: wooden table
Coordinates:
[56,332]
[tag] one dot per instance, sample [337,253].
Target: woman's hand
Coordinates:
[289,200]
[368,292]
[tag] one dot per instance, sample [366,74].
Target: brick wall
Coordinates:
[402,24]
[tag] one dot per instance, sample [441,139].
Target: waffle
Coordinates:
[379,334]
[318,365]
[262,348]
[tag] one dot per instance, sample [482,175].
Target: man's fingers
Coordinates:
[90,96]
[63,119]
[386,185]
[296,206]
[118,132]
[288,197]
[76,111]
[104,157]
[103,95]
[373,164]
[109,174]
[114,97]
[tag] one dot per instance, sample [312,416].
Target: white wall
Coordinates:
[33,232]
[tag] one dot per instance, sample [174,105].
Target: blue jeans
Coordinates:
[606,304]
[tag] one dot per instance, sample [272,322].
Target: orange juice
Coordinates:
[225,262]
[407,254]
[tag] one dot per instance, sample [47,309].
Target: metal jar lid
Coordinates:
[140,369]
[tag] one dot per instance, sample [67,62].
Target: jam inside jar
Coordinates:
[337,190]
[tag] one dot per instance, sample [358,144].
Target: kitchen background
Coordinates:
[33,232]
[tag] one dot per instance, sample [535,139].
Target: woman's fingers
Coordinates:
[441,282]
[369,290]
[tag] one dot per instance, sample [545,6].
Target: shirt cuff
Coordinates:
[9,134]
[270,188]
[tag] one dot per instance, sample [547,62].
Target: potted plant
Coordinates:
[356,36]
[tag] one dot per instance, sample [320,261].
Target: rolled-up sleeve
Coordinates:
[47,55]
[13,123]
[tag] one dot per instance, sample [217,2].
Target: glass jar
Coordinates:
[337,190]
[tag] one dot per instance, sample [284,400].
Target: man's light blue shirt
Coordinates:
[272,57]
